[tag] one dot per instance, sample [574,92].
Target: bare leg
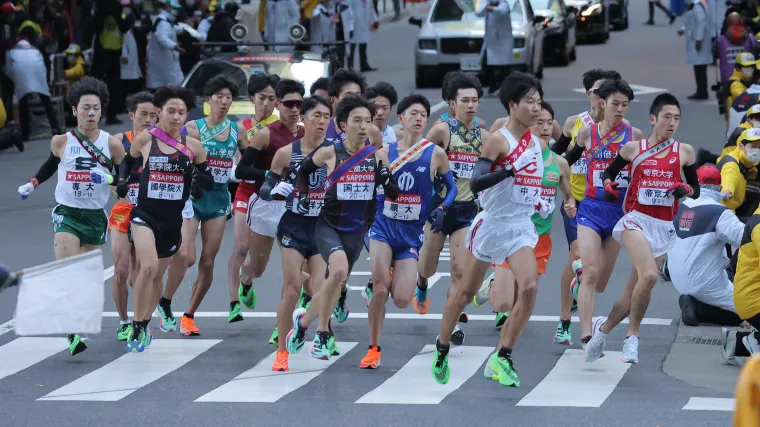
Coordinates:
[239,251]
[212,232]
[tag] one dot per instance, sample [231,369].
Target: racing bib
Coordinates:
[580,167]
[80,185]
[526,189]
[220,169]
[655,197]
[356,185]
[462,164]
[548,195]
[620,179]
[166,185]
[406,207]
[132,191]
[316,201]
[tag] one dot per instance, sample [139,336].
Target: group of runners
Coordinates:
[327,176]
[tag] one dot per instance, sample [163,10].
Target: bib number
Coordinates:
[80,184]
[356,186]
[620,179]
[406,207]
[132,193]
[655,197]
[220,169]
[462,164]
[526,189]
[166,185]
[316,201]
[580,167]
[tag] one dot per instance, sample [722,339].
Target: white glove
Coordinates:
[283,189]
[25,190]
[524,160]
[544,208]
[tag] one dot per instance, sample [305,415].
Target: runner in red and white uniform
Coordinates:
[659,167]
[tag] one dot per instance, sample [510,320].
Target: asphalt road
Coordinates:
[198,381]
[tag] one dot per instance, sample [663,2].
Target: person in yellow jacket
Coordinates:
[751,120]
[75,64]
[741,78]
[747,290]
[737,167]
[747,394]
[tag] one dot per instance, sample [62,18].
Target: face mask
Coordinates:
[736,31]
[748,71]
[756,123]
[753,154]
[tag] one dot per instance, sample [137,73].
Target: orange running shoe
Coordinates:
[372,359]
[187,327]
[281,361]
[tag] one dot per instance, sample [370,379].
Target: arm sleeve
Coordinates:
[302,179]
[266,188]
[482,180]
[574,154]
[690,172]
[729,228]
[245,169]
[614,168]
[204,178]
[127,164]
[561,145]
[451,189]
[392,189]
[47,169]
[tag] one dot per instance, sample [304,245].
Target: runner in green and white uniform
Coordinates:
[82,159]
[220,138]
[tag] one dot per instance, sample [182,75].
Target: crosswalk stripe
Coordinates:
[24,352]
[131,371]
[413,383]
[573,382]
[710,404]
[260,384]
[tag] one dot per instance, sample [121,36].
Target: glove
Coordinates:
[97,176]
[25,190]
[184,163]
[383,174]
[122,189]
[436,220]
[283,189]
[680,190]
[292,175]
[611,193]
[543,208]
[302,208]
[526,159]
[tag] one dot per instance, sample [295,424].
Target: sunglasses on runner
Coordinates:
[292,103]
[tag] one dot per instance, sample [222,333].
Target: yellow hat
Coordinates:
[749,136]
[746,59]
[73,49]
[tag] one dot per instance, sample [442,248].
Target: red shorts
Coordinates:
[119,218]
[543,251]
[242,195]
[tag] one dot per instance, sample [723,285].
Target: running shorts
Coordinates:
[330,240]
[297,232]
[404,239]
[458,216]
[543,251]
[659,233]
[242,196]
[187,211]
[493,240]
[571,224]
[263,216]
[599,216]
[214,204]
[119,218]
[166,231]
[89,225]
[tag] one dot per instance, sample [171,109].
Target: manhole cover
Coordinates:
[705,341]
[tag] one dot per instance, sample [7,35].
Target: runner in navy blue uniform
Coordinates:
[397,234]
[355,170]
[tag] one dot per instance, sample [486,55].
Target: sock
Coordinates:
[505,353]
[370,284]
[586,339]
[248,286]
[124,322]
[566,323]
[443,349]
[420,284]
[233,304]
[189,316]
[165,303]
[329,326]
[343,294]
[306,297]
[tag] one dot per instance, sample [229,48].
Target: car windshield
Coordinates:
[463,10]
[241,68]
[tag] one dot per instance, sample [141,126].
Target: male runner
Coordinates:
[343,83]
[659,167]
[143,114]
[508,173]
[385,97]
[354,171]
[601,209]
[295,232]
[262,96]
[264,216]
[221,138]
[171,161]
[397,234]
[450,99]
[462,141]
[320,87]
[80,222]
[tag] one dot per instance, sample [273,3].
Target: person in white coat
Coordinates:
[365,22]
[497,47]
[698,37]
[163,51]
[131,75]
[323,20]
[281,15]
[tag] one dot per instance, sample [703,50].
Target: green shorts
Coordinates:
[89,225]
[213,204]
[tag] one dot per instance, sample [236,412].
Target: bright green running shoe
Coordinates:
[367,294]
[274,339]
[166,320]
[440,368]
[341,310]
[320,348]
[563,335]
[303,303]
[235,314]
[247,296]
[123,331]
[332,346]
[501,370]
[76,344]
[147,338]
[501,317]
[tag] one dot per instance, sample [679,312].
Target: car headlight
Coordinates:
[518,43]
[426,44]
[594,9]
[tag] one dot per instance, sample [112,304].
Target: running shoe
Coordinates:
[729,346]
[187,327]
[76,344]
[595,347]
[340,313]
[136,341]
[483,294]
[247,294]
[751,343]
[304,302]
[372,359]
[166,320]
[122,332]
[501,318]
[275,337]
[147,337]
[367,294]
[280,361]
[420,301]
[297,336]
[457,337]
[440,368]
[576,283]
[630,353]
[501,369]
[235,314]
[664,272]
[334,351]
[563,335]
[320,348]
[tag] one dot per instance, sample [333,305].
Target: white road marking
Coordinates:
[560,386]
[131,372]
[24,352]
[260,384]
[710,404]
[414,385]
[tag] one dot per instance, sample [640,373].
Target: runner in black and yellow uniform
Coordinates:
[738,174]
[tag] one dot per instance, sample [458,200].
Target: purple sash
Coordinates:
[168,140]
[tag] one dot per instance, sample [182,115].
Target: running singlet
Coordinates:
[445,117]
[164,183]
[251,130]
[279,136]
[464,150]
[599,156]
[316,182]
[549,184]
[651,177]
[350,190]
[578,170]
[74,188]
[219,154]
[133,188]
[389,135]
[415,187]
[516,196]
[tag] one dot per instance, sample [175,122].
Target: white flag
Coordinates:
[62,297]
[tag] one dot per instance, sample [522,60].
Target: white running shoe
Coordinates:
[750,342]
[729,346]
[630,352]
[595,347]
[483,293]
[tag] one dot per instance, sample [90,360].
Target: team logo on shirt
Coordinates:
[406,181]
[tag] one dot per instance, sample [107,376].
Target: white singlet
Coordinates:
[74,188]
[389,135]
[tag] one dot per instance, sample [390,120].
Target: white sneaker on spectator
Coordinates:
[729,346]
[750,342]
